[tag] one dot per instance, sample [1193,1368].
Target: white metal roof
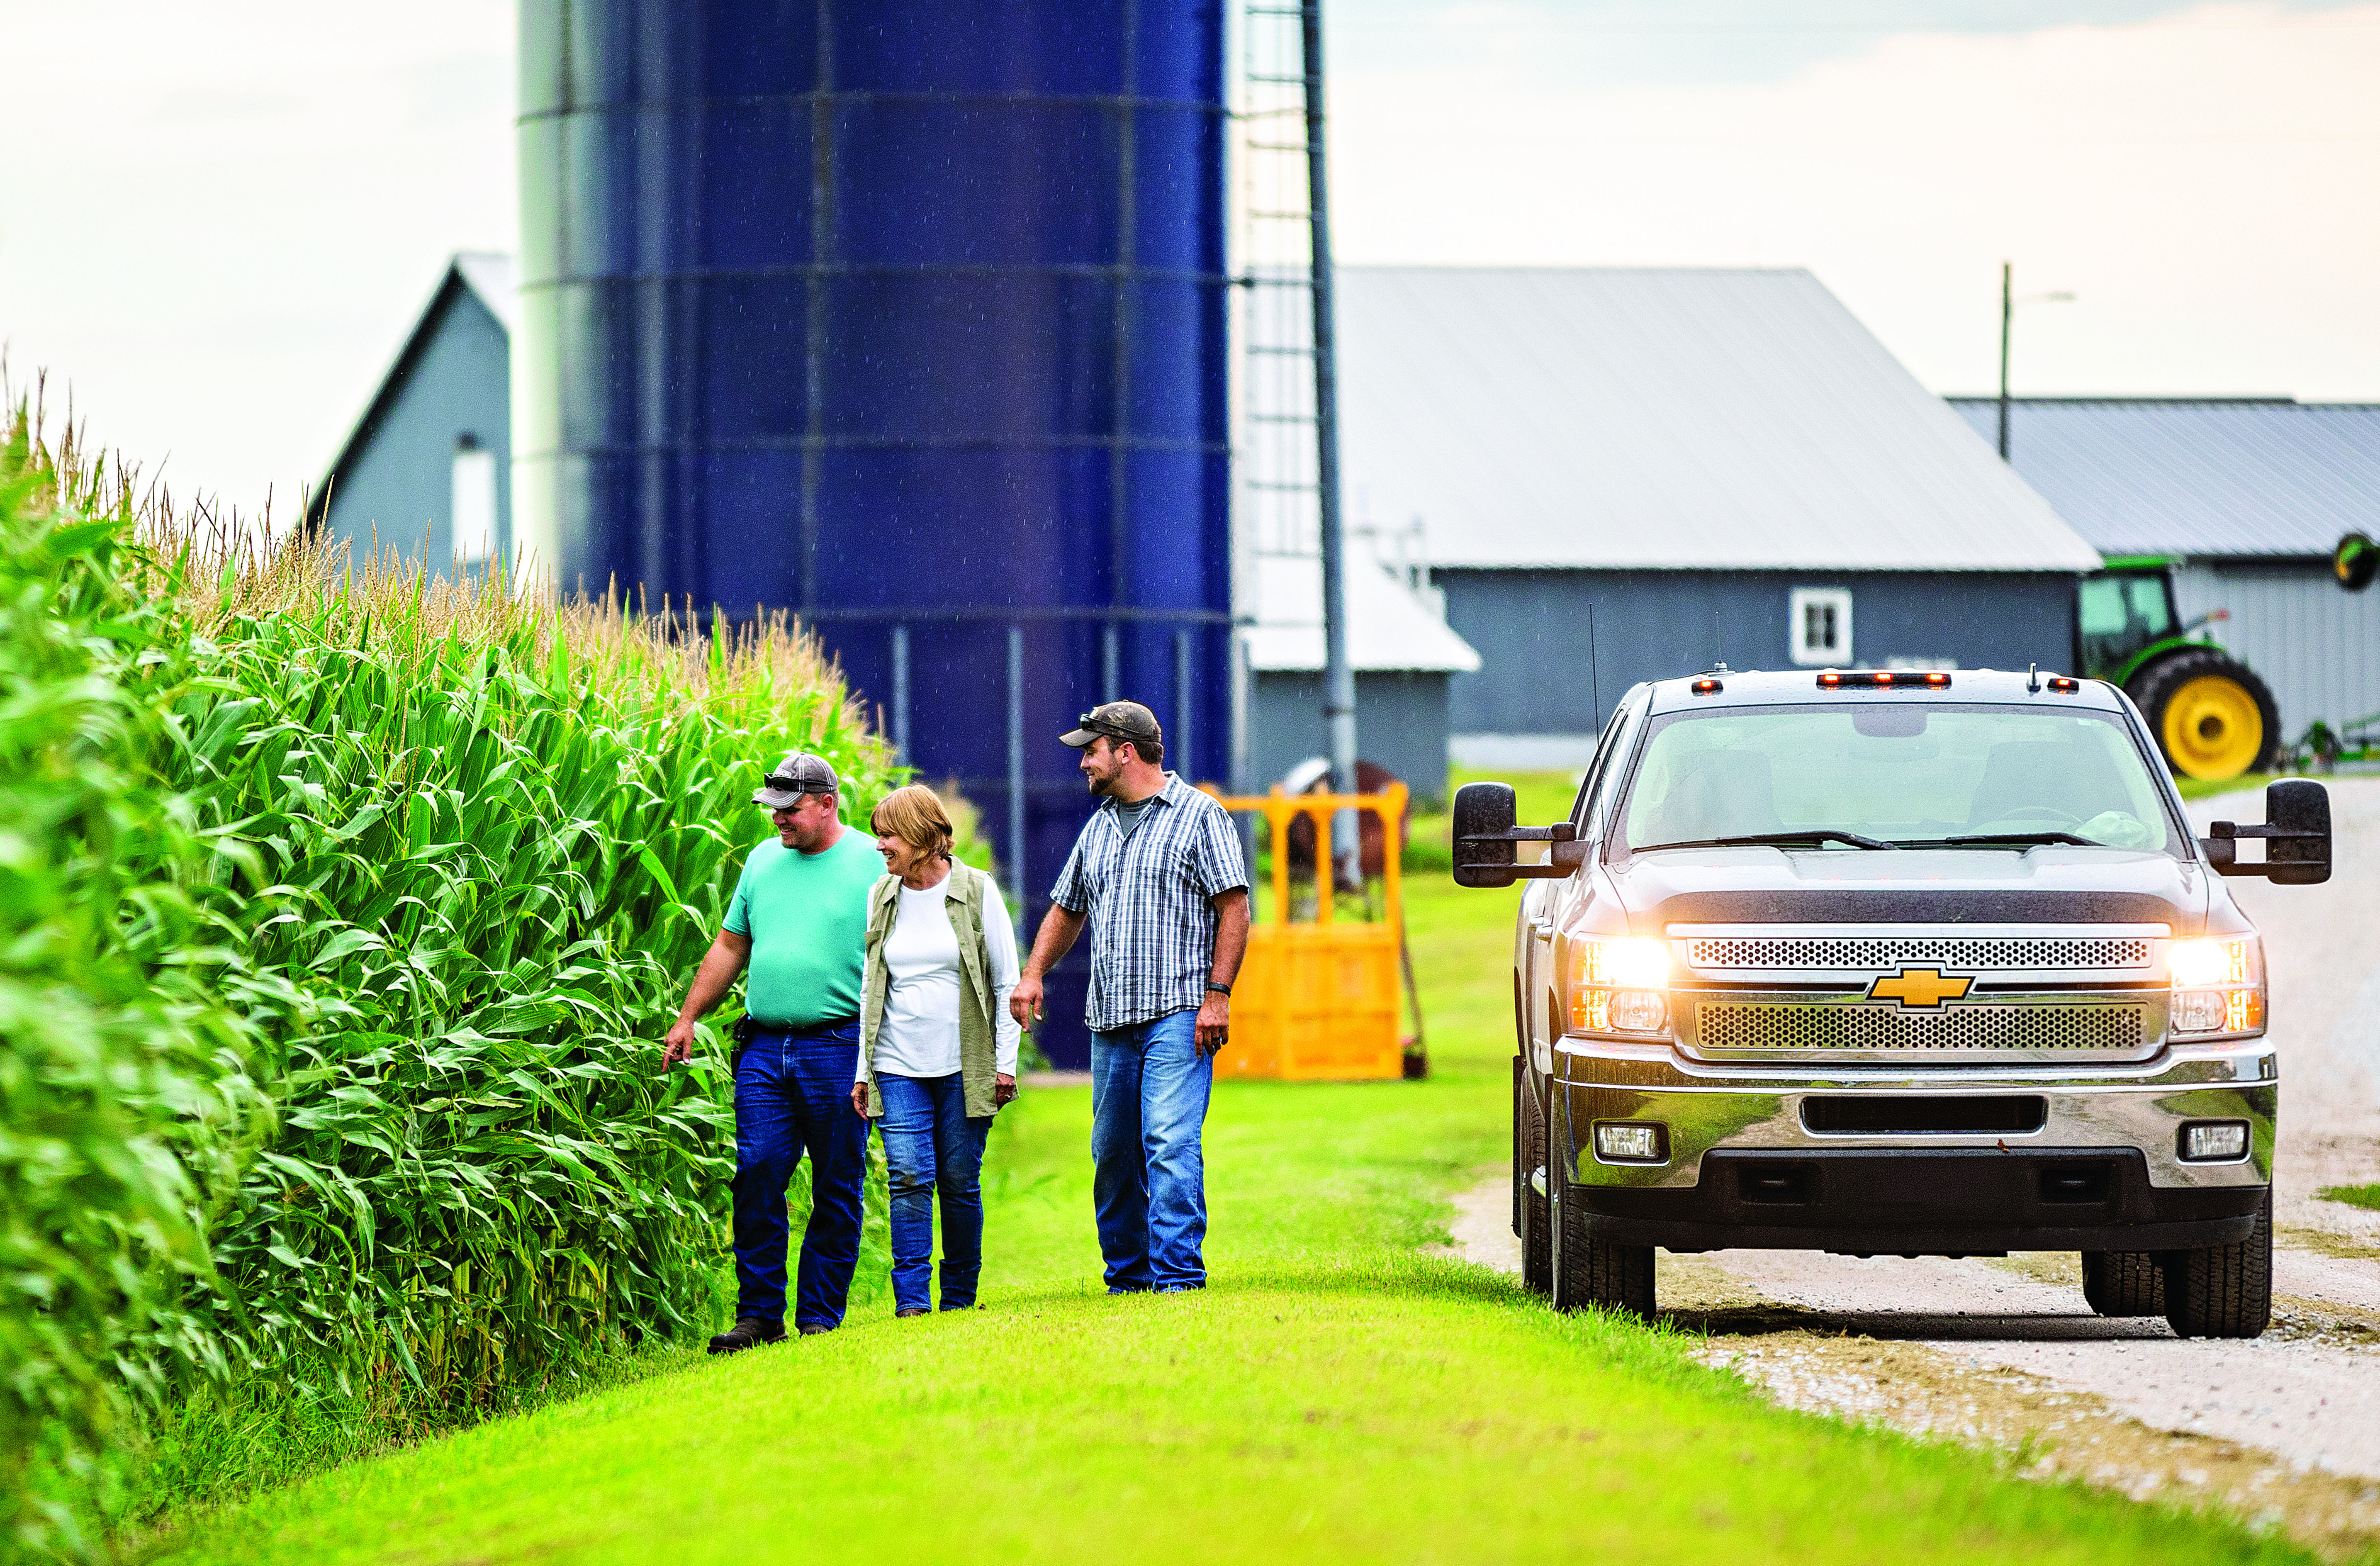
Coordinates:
[1663,417]
[1387,628]
[2197,476]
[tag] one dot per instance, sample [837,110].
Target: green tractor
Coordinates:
[2212,715]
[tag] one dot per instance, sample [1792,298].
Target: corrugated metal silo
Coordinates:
[908,316]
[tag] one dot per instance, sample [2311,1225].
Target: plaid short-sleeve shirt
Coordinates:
[1147,901]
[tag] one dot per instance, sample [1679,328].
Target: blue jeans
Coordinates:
[1149,1085]
[930,1145]
[792,1093]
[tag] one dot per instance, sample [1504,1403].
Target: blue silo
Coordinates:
[908,316]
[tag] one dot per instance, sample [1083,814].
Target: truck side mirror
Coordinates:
[1484,814]
[2297,835]
[1484,835]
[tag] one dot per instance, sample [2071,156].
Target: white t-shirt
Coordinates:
[919,1035]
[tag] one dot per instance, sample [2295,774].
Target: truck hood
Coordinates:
[2051,884]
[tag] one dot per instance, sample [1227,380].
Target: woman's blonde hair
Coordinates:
[916,816]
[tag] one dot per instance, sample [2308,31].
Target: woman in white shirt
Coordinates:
[937,1045]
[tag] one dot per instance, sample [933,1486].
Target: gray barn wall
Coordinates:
[1530,630]
[1400,723]
[400,483]
[2318,645]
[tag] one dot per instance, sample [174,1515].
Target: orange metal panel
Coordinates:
[1319,1000]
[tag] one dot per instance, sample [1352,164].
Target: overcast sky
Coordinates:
[218,221]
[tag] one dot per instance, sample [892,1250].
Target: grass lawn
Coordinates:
[1338,1394]
[2353,1196]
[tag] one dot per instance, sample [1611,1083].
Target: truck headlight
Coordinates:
[1620,984]
[2218,986]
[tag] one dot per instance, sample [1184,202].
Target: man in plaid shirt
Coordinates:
[1158,874]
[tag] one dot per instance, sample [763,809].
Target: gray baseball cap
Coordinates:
[797,774]
[1117,720]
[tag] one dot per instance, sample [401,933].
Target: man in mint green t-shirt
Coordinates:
[796,928]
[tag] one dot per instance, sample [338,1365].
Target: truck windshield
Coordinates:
[1903,774]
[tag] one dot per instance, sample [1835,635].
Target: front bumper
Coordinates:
[2101,1171]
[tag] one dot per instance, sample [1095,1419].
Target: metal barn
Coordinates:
[2242,499]
[426,471]
[1625,474]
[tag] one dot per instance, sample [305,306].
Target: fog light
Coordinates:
[2197,1010]
[1638,1010]
[1621,1141]
[2214,1141]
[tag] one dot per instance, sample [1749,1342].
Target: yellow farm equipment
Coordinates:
[1317,999]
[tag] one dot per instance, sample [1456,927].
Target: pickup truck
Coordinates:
[1892,963]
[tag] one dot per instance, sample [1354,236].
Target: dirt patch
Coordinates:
[2043,1431]
[1814,1360]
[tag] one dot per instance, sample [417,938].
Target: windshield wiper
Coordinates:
[2026,838]
[1775,839]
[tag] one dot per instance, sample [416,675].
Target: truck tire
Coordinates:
[2123,1283]
[1597,1272]
[1533,1212]
[2223,1290]
[2212,717]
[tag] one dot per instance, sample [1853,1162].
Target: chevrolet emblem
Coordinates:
[1927,988]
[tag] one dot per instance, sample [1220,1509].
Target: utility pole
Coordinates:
[2007,318]
[1338,674]
[2008,301]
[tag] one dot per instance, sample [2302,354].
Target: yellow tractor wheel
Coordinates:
[2212,716]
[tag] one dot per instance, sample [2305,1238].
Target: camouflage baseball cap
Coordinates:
[797,774]
[1116,720]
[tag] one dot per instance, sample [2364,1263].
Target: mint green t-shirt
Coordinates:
[807,917]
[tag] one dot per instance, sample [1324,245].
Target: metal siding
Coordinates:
[1405,727]
[2161,475]
[2316,646]
[1682,417]
[910,313]
[398,483]
[1530,630]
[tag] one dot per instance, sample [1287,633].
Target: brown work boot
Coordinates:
[749,1332]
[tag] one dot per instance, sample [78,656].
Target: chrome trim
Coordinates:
[1970,949]
[1710,1106]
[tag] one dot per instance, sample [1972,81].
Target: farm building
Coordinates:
[2240,501]
[427,470]
[1403,654]
[1702,466]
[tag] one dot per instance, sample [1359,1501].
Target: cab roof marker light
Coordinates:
[2064,684]
[1706,687]
[1882,679]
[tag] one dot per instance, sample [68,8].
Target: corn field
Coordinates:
[343,909]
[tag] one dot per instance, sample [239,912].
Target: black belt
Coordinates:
[750,1028]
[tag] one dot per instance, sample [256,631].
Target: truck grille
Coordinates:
[1971,953]
[2110,1029]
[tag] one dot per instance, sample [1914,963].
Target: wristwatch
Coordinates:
[1223,990]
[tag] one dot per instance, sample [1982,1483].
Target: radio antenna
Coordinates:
[1593,682]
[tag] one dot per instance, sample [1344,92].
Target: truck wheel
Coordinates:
[2223,1290]
[2212,716]
[1532,1212]
[2122,1283]
[1597,1272]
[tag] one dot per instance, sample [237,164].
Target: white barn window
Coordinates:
[475,501]
[1819,626]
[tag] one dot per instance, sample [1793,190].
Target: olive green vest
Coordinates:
[962,895]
